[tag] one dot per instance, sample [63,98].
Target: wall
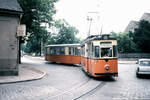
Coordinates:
[8,45]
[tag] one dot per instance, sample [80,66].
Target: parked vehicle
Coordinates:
[143,67]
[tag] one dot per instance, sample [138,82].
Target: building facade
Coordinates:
[134,24]
[131,26]
[10,14]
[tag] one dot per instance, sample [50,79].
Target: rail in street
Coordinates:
[68,82]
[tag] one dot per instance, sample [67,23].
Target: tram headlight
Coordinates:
[107,67]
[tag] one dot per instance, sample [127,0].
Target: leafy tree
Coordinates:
[141,36]
[125,42]
[37,12]
[66,33]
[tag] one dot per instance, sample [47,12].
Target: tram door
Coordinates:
[90,54]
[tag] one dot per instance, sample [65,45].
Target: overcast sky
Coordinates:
[112,15]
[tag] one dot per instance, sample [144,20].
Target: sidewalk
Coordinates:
[26,73]
[42,58]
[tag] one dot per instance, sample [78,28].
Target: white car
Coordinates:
[143,67]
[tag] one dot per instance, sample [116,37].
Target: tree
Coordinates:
[125,42]
[66,33]
[141,36]
[37,12]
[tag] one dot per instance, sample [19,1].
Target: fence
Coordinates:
[134,55]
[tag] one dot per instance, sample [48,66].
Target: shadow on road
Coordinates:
[105,79]
[144,77]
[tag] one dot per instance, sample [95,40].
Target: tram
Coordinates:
[99,56]
[63,53]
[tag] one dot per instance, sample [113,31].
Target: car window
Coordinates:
[144,63]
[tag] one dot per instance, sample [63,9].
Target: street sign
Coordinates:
[21,30]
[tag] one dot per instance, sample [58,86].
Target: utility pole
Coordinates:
[92,17]
[90,20]
[101,30]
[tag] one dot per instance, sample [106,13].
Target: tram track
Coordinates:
[88,93]
[70,90]
[80,91]
[77,92]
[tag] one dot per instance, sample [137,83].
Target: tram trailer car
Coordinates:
[99,56]
[63,53]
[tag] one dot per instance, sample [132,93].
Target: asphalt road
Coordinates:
[68,82]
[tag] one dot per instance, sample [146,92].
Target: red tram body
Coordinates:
[96,54]
[99,56]
[63,53]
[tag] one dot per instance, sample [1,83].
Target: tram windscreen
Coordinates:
[106,52]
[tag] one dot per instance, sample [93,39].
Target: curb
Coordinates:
[43,73]
[127,62]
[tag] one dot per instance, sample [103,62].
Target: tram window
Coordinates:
[77,51]
[54,50]
[51,50]
[105,43]
[82,51]
[73,51]
[92,48]
[69,50]
[58,51]
[62,51]
[115,51]
[92,52]
[47,51]
[106,52]
[96,51]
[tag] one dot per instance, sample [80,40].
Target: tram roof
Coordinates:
[63,45]
[98,37]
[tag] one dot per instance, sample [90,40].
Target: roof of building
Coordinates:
[10,5]
[134,24]
[131,26]
[146,16]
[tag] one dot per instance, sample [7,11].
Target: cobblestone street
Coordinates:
[126,87]
[68,82]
